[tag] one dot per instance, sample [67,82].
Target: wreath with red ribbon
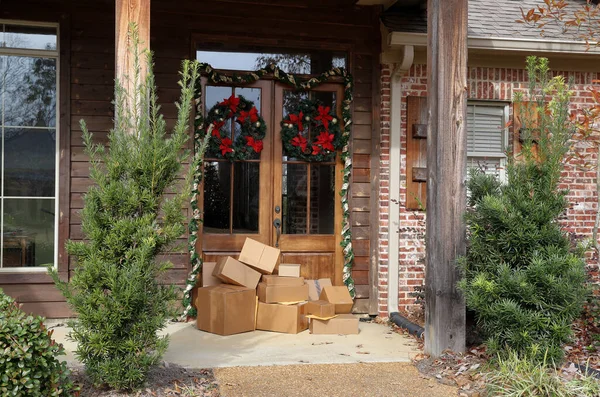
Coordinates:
[249,138]
[322,123]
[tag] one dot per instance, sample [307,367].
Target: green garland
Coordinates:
[324,126]
[215,77]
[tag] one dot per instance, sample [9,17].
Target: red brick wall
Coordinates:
[484,84]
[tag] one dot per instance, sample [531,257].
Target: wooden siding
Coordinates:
[88,27]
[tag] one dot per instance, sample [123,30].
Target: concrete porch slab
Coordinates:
[191,348]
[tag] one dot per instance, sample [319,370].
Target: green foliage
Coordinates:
[518,376]
[128,222]
[28,360]
[522,278]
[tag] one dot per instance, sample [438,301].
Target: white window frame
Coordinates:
[54,54]
[504,134]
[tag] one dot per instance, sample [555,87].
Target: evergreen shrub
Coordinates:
[29,364]
[127,220]
[523,279]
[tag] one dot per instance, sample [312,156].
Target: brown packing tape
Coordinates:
[321,318]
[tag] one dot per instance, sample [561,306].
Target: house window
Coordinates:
[487,137]
[28,145]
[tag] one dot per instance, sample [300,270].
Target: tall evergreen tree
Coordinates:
[127,222]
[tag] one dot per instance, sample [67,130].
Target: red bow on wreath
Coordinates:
[324,116]
[216,128]
[257,145]
[299,141]
[297,120]
[252,115]
[225,146]
[232,102]
[325,139]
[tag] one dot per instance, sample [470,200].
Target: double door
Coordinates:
[272,197]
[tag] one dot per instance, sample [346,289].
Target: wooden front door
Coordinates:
[290,204]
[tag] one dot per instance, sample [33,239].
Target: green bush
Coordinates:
[127,221]
[28,356]
[523,279]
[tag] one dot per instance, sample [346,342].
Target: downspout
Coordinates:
[401,68]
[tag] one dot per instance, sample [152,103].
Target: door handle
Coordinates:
[277,224]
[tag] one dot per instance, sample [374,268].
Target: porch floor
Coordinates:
[191,348]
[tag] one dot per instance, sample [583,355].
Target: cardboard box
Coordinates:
[289,319]
[340,297]
[205,279]
[282,293]
[315,287]
[259,256]
[270,279]
[289,270]
[235,272]
[226,309]
[322,309]
[344,324]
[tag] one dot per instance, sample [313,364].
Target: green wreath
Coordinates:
[323,125]
[252,129]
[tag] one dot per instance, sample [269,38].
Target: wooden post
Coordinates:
[446,163]
[128,11]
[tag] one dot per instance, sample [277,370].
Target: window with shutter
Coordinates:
[487,137]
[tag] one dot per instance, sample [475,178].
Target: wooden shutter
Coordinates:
[524,114]
[416,153]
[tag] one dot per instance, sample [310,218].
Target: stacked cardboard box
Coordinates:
[241,295]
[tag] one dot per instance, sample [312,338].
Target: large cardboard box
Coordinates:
[205,279]
[259,256]
[289,270]
[270,279]
[316,286]
[282,293]
[340,297]
[344,324]
[226,309]
[321,309]
[235,272]
[289,319]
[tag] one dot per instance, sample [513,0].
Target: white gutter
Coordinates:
[400,69]
[503,43]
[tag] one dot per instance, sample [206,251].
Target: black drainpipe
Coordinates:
[403,322]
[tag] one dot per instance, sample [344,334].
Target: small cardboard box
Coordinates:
[259,256]
[322,309]
[270,279]
[289,270]
[235,272]
[344,324]
[205,279]
[289,319]
[226,309]
[340,297]
[315,287]
[282,293]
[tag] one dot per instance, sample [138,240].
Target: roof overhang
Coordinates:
[385,3]
[501,44]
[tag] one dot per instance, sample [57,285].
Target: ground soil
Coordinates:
[331,380]
[167,380]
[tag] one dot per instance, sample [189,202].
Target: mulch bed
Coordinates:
[167,380]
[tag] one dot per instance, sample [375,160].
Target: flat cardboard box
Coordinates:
[282,293]
[205,279]
[259,256]
[340,297]
[271,279]
[344,324]
[289,319]
[226,309]
[235,272]
[322,309]
[289,270]
[315,287]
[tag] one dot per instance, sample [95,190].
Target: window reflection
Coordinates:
[29,37]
